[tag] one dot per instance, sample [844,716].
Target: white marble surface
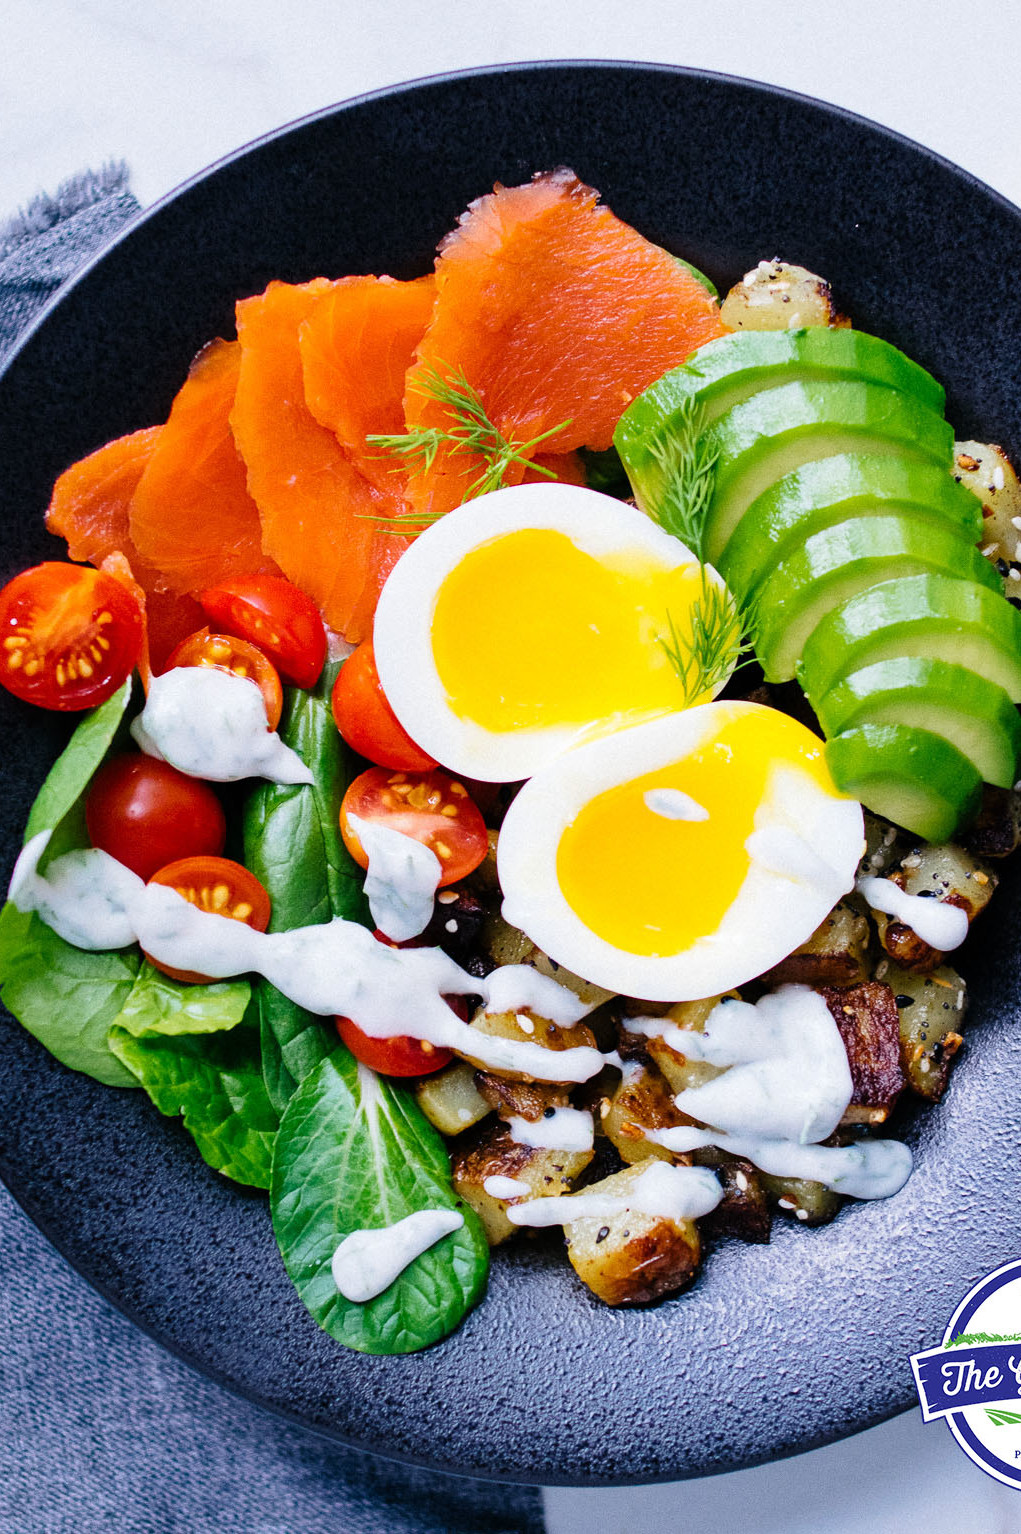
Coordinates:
[175,84]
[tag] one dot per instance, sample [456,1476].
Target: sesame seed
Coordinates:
[802,1214]
[447,897]
[1015,575]
[524,1022]
[960,999]
[741,1181]
[911,861]
[450,926]
[882,969]
[990,548]
[998,479]
[786,1203]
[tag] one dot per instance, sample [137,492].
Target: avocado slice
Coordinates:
[773,433]
[831,490]
[837,563]
[910,776]
[734,367]
[927,615]
[976,716]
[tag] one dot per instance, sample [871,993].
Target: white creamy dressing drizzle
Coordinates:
[368,1261]
[782,851]
[335,969]
[401,880]
[674,804]
[212,724]
[784,1086]
[940,925]
[662,1191]
[566,1129]
[505,1187]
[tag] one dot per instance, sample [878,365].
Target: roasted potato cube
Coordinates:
[870,1028]
[546,1172]
[743,1211]
[885,845]
[631,1257]
[450,1099]
[642,1101]
[525,1027]
[945,872]
[519,1099]
[505,944]
[678,1070]
[812,1203]
[833,955]
[777,296]
[997,830]
[985,468]
[931,1009]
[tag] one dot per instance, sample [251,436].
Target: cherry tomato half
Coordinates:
[69,636]
[146,814]
[225,653]
[271,613]
[219,886]
[400,1056]
[432,807]
[365,719]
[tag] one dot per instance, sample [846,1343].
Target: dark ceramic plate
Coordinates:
[777,1349]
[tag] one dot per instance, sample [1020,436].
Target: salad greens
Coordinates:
[60,803]
[354,1152]
[292,843]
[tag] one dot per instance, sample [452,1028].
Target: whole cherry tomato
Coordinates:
[146,814]
[69,636]
[217,885]
[225,653]
[432,807]
[271,613]
[365,719]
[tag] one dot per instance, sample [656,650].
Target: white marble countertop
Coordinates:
[178,83]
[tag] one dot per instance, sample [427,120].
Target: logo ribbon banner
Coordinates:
[986,1374]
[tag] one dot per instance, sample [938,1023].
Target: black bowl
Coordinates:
[778,1348]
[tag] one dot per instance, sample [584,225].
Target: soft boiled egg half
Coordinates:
[681,856]
[527,618]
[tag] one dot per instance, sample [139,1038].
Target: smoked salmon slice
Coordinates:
[191,516]
[554,311]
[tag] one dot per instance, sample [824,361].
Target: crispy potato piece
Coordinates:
[519,1099]
[744,1211]
[505,944]
[931,1009]
[833,955]
[547,1173]
[811,1203]
[984,468]
[997,831]
[885,845]
[631,1257]
[777,296]
[946,872]
[536,1030]
[641,1101]
[450,1099]
[679,1071]
[870,1028]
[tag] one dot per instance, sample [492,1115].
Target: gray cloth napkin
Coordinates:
[100,1429]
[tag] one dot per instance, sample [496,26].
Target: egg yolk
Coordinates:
[653,865]
[529,631]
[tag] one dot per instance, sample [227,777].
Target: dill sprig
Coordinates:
[687,462]
[720,642]
[471,432]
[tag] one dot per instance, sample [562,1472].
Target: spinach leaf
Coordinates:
[59,805]
[65,997]
[214,1081]
[352,1152]
[292,842]
[158,1004]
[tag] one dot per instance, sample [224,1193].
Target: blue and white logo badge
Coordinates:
[974,1378]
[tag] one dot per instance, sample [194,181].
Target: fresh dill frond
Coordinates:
[720,642]
[687,461]
[470,432]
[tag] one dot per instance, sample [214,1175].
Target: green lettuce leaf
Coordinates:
[158,1004]
[65,997]
[353,1153]
[292,842]
[214,1081]
[60,803]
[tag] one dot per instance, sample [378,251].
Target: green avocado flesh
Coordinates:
[974,715]
[925,615]
[910,776]
[839,562]
[734,367]
[768,436]
[831,490]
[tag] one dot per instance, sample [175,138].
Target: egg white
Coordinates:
[402,635]
[820,840]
